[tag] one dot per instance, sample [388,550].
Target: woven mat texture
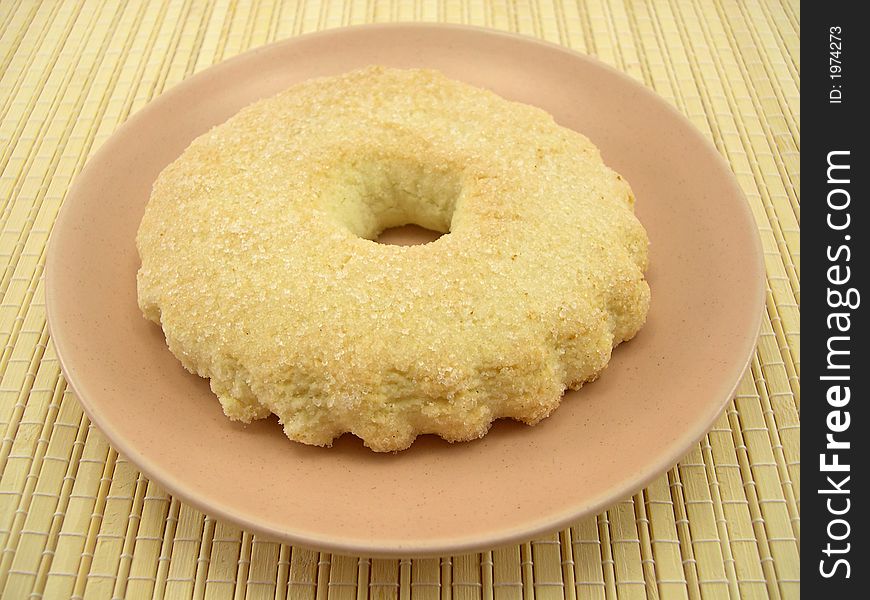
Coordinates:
[77,520]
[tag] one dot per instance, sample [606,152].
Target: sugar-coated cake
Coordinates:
[259,265]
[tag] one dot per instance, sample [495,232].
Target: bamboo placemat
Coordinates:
[78,520]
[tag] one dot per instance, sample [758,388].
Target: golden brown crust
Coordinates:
[257,260]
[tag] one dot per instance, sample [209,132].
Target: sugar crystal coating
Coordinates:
[259,265]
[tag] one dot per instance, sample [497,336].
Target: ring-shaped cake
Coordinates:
[259,260]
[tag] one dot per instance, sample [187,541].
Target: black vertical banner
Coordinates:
[835,368]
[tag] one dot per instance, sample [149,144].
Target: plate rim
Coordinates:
[402,548]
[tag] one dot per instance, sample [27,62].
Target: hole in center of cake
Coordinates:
[394,201]
[408,235]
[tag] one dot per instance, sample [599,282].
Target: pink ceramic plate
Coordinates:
[660,394]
